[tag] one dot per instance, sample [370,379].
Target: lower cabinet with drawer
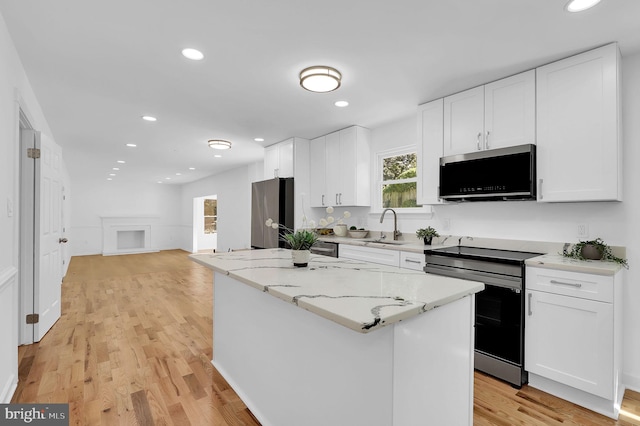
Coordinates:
[573,332]
[403,259]
[370,254]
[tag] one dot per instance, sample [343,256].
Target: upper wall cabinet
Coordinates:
[345,178]
[430,137]
[579,149]
[279,159]
[495,115]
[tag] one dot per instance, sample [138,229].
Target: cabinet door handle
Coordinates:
[486,140]
[529,311]
[340,198]
[275,172]
[478,141]
[412,261]
[576,285]
[540,189]
[323,199]
[336,199]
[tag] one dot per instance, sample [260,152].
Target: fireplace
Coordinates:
[128,234]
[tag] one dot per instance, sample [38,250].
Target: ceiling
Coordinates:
[97,67]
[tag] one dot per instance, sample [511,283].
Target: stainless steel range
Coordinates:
[499,322]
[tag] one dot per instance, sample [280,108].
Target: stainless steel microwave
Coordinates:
[491,175]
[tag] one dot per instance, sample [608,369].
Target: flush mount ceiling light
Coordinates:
[192,54]
[320,79]
[580,5]
[219,144]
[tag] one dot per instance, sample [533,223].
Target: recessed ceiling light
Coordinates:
[167,178]
[131,145]
[159,181]
[149,118]
[258,139]
[218,156]
[192,54]
[341,104]
[115,168]
[120,161]
[112,174]
[192,168]
[219,144]
[178,174]
[109,179]
[320,79]
[580,5]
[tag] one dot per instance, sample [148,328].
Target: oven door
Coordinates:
[498,330]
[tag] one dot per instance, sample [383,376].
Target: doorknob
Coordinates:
[62,240]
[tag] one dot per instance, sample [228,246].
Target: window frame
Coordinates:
[205,216]
[379,182]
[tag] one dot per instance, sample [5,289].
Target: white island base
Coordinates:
[292,367]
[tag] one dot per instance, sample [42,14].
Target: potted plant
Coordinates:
[595,250]
[427,234]
[299,242]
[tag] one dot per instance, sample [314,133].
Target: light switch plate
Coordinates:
[583,231]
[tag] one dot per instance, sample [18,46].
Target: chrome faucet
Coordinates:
[460,239]
[396,233]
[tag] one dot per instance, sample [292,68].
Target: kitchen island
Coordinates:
[368,346]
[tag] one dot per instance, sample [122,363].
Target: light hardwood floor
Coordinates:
[133,346]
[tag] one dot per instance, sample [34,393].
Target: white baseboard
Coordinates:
[9,389]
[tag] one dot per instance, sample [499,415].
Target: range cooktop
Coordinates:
[481,253]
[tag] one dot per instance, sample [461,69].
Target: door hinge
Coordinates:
[33,153]
[33,318]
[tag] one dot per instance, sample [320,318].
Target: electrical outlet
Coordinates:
[583,231]
[446,224]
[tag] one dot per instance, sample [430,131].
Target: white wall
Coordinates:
[14,90]
[616,222]
[233,189]
[95,198]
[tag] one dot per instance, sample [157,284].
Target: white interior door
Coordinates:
[48,232]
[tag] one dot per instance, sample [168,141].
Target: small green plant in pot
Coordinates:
[595,250]
[299,242]
[427,234]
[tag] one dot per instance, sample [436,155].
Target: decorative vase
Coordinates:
[591,252]
[300,257]
[427,241]
[340,230]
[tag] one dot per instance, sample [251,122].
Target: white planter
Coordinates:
[300,257]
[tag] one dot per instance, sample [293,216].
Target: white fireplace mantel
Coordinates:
[128,234]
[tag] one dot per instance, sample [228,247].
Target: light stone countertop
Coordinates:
[359,295]
[557,261]
[551,260]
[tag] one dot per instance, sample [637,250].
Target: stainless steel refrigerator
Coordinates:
[270,199]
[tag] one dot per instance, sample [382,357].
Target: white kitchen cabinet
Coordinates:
[317,169]
[346,179]
[573,336]
[411,260]
[370,254]
[579,148]
[430,149]
[279,159]
[496,115]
